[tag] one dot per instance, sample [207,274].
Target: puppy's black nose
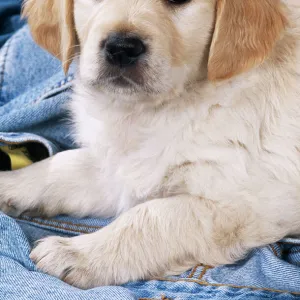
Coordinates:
[122,50]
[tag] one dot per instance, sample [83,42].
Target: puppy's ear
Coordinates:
[52,27]
[246,32]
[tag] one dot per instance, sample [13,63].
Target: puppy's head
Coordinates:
[157,46]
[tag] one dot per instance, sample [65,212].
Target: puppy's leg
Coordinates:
[66,183]
[152,239]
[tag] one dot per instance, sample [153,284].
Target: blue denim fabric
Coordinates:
[268,273]
[34,93]
[10,19]
[33,96]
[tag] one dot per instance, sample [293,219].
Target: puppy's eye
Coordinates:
[178,2]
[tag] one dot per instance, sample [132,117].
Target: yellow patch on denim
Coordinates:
[18,156]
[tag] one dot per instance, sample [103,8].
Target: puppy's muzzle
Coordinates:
[122,50]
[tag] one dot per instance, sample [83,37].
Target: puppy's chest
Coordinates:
[161,155]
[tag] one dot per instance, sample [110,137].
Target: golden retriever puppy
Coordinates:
[188,117]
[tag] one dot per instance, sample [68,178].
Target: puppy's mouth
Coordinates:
[123,81]
[117,80]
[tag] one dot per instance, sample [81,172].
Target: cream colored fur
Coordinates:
[197,171]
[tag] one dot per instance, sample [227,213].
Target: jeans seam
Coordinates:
[205,283]
[5,49]
[204,271]
[163,297]
[288,243]
[64,84]
[274,250]
[191,275]
[61,228]
[59,221]
[294,251]
[56,226]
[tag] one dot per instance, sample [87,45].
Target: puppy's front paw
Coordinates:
[61,258]
[9,188]
[9,208]
[92,260]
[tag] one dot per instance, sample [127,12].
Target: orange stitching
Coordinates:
[274,250]
[58,221]
[162,298]
[205,269]
[202,273]
[194,270]
[204,283]
[280,248]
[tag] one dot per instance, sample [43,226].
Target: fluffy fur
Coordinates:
[198,154]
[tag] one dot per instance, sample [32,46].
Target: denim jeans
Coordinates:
[34,93]
[9,18]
